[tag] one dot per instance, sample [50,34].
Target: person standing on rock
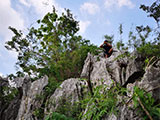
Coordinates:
[108,50]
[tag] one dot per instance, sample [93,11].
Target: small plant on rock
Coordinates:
[145,104]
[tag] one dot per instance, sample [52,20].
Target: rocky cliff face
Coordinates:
[23,105]
[29,103]
[64,97]
[125,71]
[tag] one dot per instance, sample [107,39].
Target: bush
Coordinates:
[57,116]
[144,101]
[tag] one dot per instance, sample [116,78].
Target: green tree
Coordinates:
[54,48]
[153,10]
[150,47]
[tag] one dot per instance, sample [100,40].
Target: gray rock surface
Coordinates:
[128,72]
[20,81]
[104,69]
[8,109]
[124,114]
[70,90]
[134,69]
[151,81]
[11,111]
[23,105]
[30,92]
[3,82]
[97,70]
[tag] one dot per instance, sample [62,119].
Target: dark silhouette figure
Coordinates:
[108,50]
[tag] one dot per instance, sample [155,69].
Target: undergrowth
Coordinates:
[103,102]
[145,104]
[58,116]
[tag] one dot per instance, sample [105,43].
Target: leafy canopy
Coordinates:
[54,48]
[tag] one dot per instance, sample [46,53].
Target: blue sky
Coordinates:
[96,18]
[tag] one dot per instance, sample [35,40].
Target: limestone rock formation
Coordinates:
[22,106]
[151,80]
[121,70]
[97,70]
[69,92]
[9,108]
[28,102]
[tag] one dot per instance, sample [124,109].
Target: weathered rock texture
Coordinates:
[126,71]
[29,102]
[22,107]
[122,70]
[69,92]
[151,80]
[98,70]
[8,110]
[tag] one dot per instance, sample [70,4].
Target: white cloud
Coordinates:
[24,2]
[83,26]
[127,3]
[109,4]
[9,17]
[42,6]
[91,8]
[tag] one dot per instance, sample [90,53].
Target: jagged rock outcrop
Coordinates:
[9,108]
[134,69]
[23,105]
[151,83]
[69,92]
[97,70]
[151,80]
[29,102]
[121,70]
[125,113]
[3,82]
[124,71]
[11,111]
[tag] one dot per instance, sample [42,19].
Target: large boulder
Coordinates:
[69,92]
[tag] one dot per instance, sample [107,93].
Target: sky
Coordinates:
[96,19]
